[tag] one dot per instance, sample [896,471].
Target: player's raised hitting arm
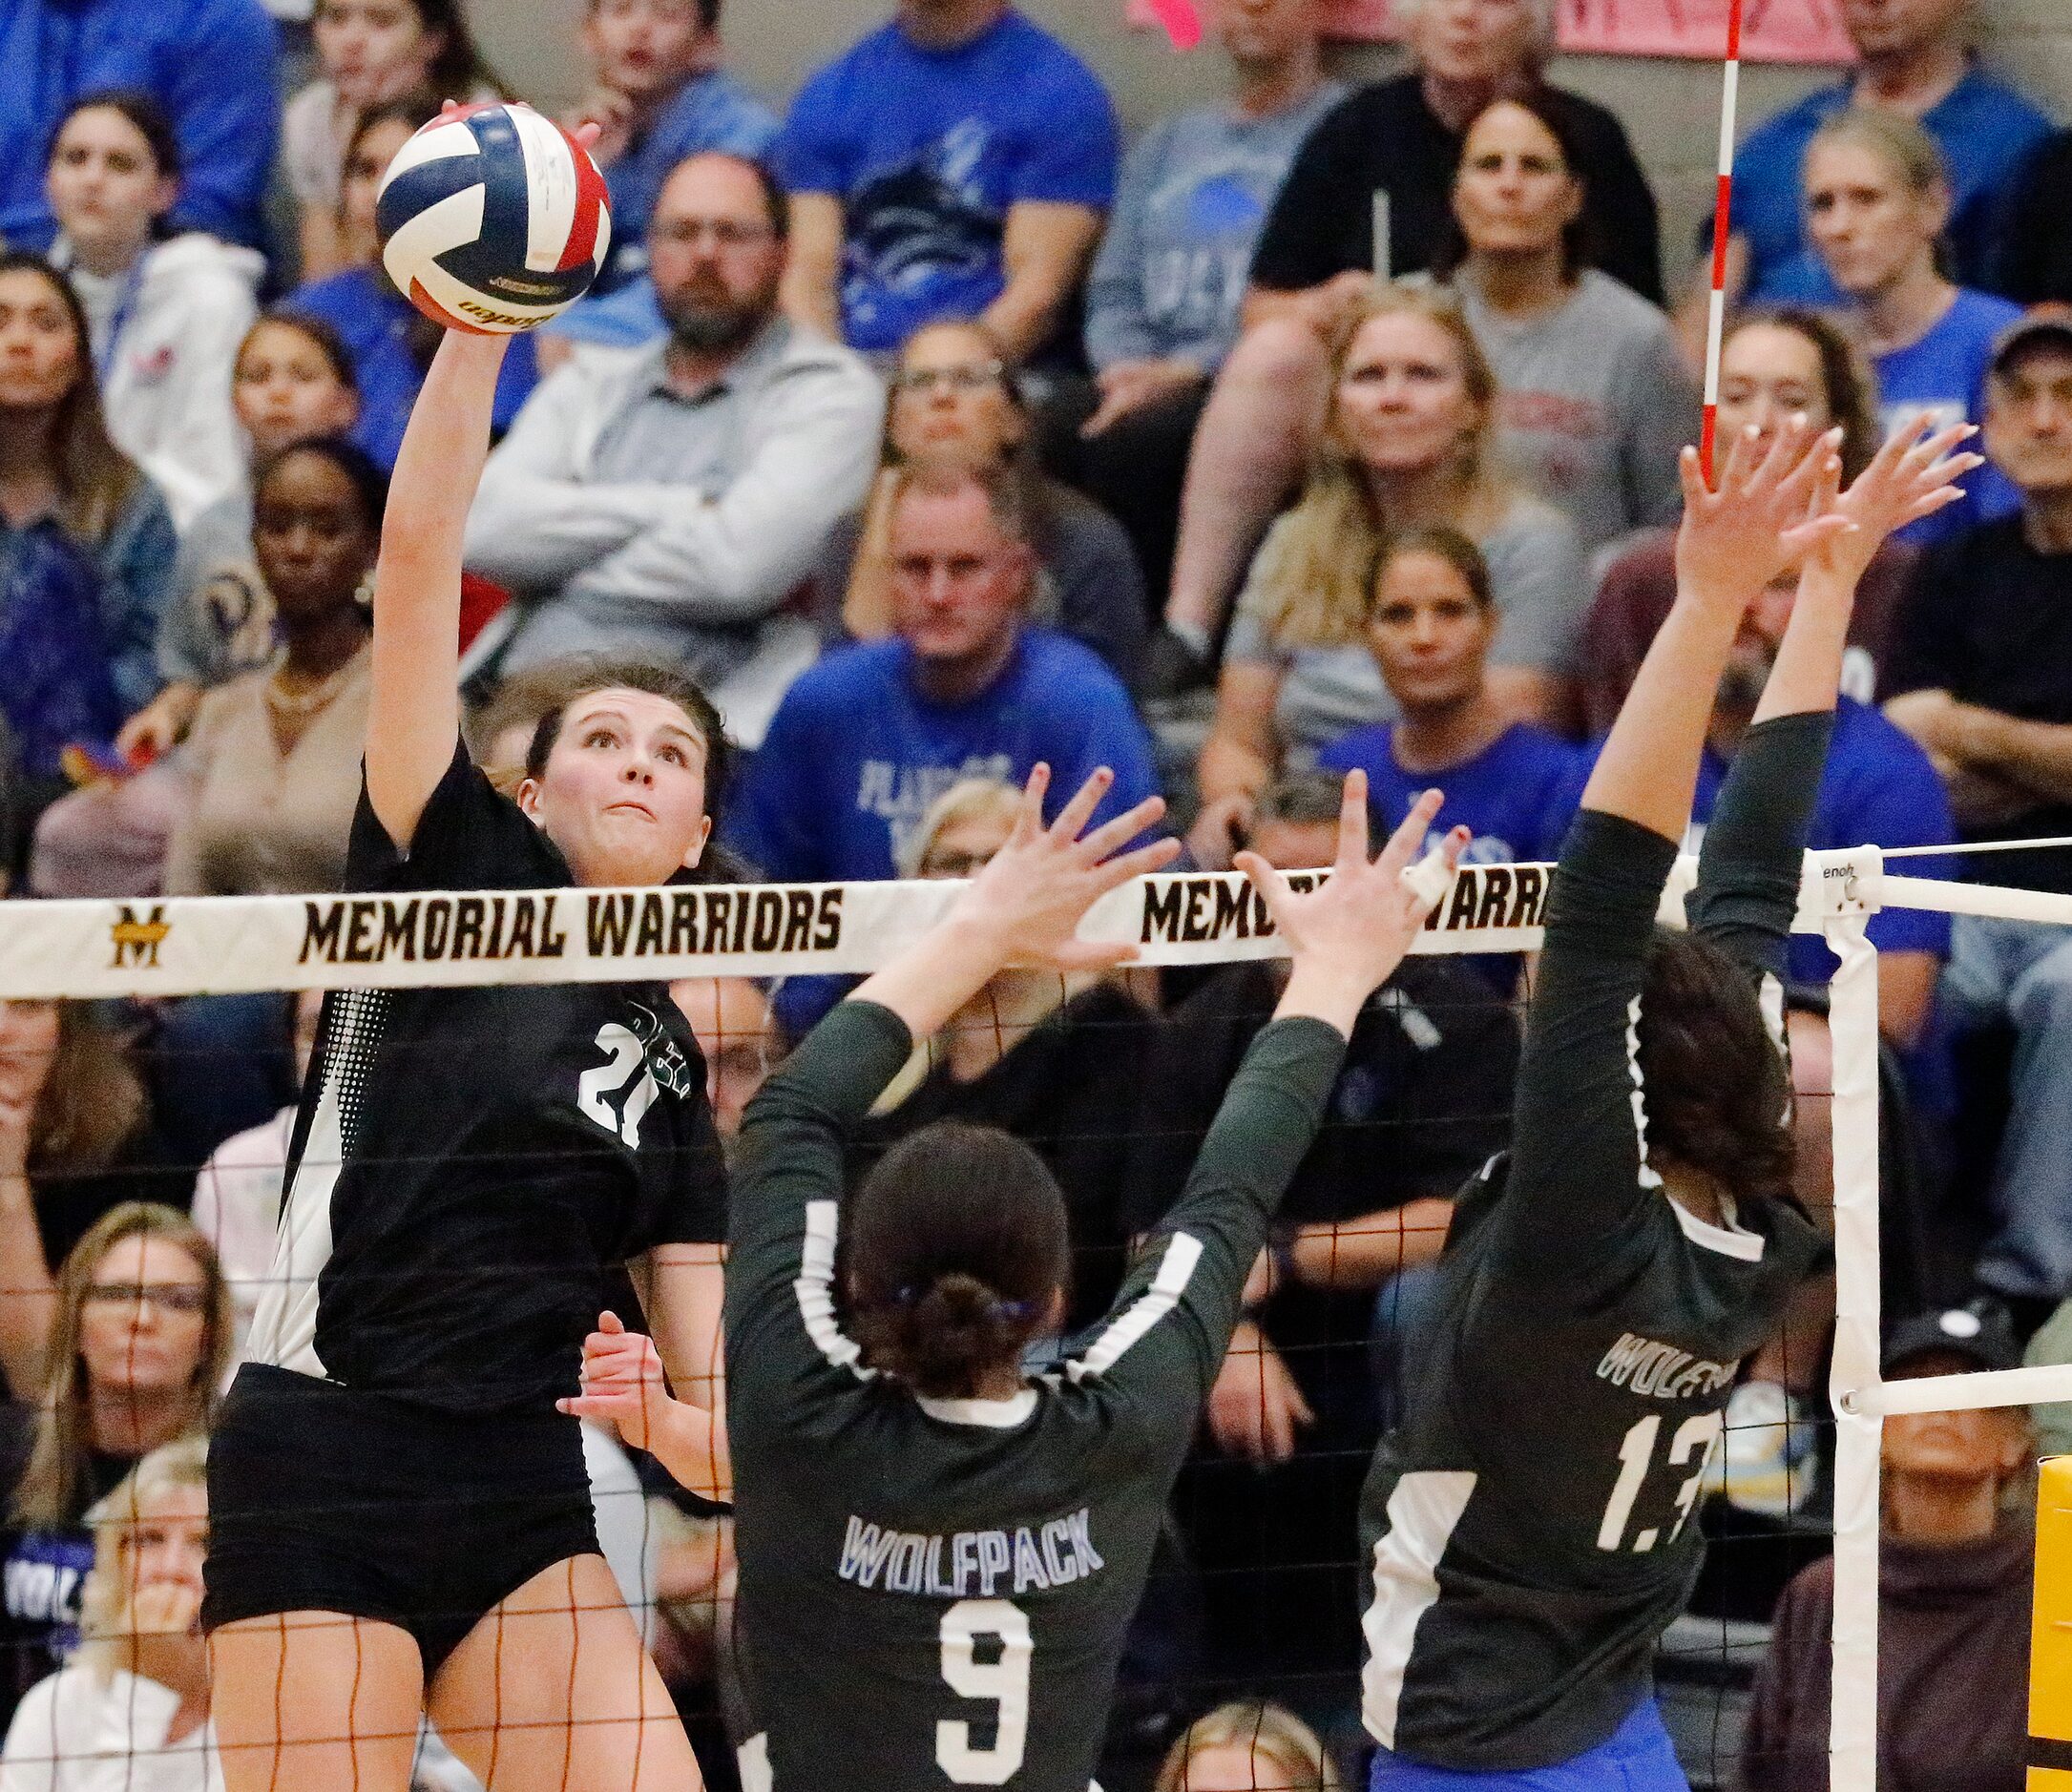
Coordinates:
[413,716]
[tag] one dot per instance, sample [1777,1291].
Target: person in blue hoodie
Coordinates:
[209,63]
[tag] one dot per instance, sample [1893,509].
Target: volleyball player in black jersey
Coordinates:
[1528,1526]
[939,1555]
[401,1519]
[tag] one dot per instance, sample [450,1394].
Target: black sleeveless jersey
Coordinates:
[467,1163]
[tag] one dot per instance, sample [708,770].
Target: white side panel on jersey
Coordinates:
[815,1289]
[1423,1512]
[550,189]
[1176,1269]
[752,1760]
[285,1325]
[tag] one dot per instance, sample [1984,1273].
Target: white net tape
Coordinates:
[191,946]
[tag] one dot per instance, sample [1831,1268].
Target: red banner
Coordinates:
[1773,30]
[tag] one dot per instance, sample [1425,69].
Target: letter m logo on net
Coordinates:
[137,941]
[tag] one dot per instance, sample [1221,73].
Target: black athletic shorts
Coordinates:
[325,1498]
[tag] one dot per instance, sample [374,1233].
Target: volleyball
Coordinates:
[492,218]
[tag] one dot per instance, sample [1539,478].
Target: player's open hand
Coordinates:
[1764,513]
[1029,898]
[622,1381]
[1354,929]
[1914,476]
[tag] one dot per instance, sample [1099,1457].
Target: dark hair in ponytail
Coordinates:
[956,1248]
[1713,1078]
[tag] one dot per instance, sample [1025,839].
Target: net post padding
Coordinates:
[1853,1025]
[2050,1637]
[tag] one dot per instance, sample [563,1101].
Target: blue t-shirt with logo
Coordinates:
[927,148]
[855,755]
[1170,277]
[1517,796]
[711,112]
[1986,130]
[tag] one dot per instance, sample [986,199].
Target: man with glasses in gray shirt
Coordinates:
[670,505]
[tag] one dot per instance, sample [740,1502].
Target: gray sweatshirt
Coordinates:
[1194,194]
[1595,401]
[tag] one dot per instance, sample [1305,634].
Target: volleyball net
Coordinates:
[1193,928]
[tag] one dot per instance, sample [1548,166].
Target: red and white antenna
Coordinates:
[1716,316]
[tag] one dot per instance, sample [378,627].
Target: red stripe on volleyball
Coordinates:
[439,314]
[590,197]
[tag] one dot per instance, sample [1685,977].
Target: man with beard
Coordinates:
[668,507]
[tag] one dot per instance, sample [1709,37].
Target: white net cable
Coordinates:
[194,946]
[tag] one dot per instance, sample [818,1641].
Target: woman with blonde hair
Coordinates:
[132,1708]
[1407,443]
[137,1349]
[1052,1057]
[1247,1747]
[1877,202]
[957,403]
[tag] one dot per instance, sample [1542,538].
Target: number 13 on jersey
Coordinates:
[1691,1447]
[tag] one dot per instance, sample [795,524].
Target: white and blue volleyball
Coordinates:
[492,218]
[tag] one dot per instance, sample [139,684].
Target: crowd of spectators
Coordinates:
[939,432]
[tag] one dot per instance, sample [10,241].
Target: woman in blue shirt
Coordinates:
[1430,628]
[86,545]
[1877,202]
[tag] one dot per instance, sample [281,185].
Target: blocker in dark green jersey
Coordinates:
[934,1593]
[1529,1528]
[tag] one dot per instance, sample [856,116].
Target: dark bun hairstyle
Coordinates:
[958,1250]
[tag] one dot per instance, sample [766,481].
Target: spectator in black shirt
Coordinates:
[1422,1102]
[1053,1059]
[1980,674]
[2036,254]
[1396,146]
[140,1343]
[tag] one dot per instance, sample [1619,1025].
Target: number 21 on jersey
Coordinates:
[1691,1448]
[1004,1680]
[624,1074]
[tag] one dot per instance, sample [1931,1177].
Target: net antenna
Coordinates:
[1853,886]
[1722,207]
